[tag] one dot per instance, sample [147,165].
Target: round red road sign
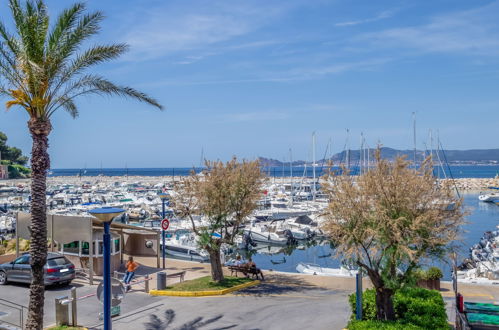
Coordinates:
[165,224]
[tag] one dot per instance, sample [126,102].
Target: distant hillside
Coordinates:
[472,157]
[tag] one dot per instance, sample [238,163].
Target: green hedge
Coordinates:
[375,325]
[413,306]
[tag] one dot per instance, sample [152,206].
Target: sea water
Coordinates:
[482,217]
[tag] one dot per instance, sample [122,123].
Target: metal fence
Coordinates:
[15,313]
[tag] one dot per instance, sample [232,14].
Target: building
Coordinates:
[79,239]
[4,170]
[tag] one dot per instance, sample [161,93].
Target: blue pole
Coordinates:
[358,303]
[163,234]
[107,276]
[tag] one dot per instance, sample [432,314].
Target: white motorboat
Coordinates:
[267,234]
[313,269]
[185,247]
[489,197]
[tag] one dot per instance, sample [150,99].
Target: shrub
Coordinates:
[434,273]
[413,306]
[375,325]
[368,304]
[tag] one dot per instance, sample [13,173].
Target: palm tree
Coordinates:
[42,70]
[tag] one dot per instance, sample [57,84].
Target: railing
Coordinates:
[19,308]
[139,279]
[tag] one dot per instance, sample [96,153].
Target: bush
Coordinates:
[413,306]
[434,273]
[18,171]
[375,325]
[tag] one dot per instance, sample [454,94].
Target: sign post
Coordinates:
[358,296]
[164,226]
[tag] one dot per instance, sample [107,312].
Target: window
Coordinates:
[100,249]
[117,245]
[24,260]
[72,248]
[85,248]
[59,261]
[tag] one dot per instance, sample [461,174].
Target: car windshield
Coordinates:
[59,261]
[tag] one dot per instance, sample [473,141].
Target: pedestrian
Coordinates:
[131,267]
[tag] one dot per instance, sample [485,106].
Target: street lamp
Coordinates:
[163,197]
[106,215]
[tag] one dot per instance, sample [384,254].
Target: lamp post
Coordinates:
[106,215]
[163,197]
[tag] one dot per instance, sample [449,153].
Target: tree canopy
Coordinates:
[225,195]
[390,220]
[11,154]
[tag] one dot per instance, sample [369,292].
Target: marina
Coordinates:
[281,235]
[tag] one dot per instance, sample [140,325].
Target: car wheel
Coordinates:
[3,278]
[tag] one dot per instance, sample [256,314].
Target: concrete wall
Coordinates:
[82,262]
[135,244]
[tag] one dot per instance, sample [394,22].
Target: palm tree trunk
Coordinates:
[40,163]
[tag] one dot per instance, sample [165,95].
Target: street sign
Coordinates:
[117,292]
[165,224]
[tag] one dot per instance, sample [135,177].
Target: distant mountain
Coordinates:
[456,157]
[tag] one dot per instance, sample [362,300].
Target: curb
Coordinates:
[202,293]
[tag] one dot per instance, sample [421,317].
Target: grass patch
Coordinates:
[65,327]
[205,284]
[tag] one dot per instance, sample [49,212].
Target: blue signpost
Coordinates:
[358,293]
[106,215]
[163,197]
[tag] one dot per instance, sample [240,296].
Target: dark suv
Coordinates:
[58,270]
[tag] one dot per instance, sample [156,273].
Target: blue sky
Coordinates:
[256,78]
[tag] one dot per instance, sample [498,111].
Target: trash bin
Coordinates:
[161,281]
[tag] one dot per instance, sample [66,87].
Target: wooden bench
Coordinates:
[180,275]
[255,272]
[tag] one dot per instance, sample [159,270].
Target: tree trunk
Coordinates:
[384,304]
[40,163]
[217,274]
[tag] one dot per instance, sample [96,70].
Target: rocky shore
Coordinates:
[474,184]
[463,184]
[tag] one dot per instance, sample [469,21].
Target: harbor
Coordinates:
[283,234]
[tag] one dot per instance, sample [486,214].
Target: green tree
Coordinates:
[389,220]
[11,154]
[226,194]
[43,70]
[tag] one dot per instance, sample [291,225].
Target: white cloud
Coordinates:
[174,29]
[383,15]
[472,32]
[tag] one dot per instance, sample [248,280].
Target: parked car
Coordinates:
[58,270]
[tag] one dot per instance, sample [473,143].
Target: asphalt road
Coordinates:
[88,309]
[263,307]
[268,306]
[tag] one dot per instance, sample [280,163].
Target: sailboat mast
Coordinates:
[313,164]
[291,175]
[414,136]
[348,149]
[361,151]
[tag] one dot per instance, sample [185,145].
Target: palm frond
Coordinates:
[86,27]
[93,56]
[104,86]
[70,107]
[64,25]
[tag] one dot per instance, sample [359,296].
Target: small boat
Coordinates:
[490,196]
[314,269]
[185,247]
